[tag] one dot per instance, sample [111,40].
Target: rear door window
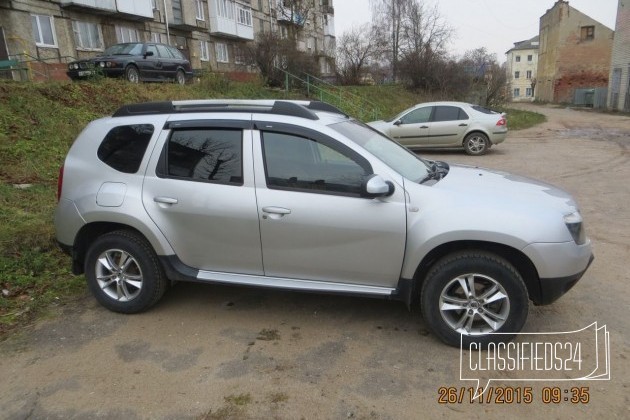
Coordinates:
[205,155]
[449,113]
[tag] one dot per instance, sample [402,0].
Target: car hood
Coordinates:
[103,58]
[504,187]
[485,204]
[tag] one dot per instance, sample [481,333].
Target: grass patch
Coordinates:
[520,120]
[39,122]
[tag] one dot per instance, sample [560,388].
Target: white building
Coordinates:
[522,62]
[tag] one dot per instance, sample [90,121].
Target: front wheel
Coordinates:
[469,295]
[132,74]
[476,144]
[123,272]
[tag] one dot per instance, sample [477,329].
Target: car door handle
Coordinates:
[276,210]
[165,200]
[424,126]
[463,125]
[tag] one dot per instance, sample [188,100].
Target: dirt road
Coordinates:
[229,352]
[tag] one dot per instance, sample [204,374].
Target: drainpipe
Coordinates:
[168,34]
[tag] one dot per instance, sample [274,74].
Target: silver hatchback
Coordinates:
[297,195]
[438,125]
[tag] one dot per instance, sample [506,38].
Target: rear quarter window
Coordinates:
[123,147]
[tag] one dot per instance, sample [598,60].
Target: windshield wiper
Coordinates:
[437,171]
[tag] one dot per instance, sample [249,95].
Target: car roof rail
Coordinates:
[303,109]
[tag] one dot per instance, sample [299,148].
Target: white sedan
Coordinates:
[446,125]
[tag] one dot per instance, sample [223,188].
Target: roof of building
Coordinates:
[529,44]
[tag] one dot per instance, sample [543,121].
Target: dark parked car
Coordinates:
[136,61]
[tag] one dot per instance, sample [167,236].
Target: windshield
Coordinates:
[387,150]
[124,49]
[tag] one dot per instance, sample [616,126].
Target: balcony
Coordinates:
[135,10]
[329,26]
[289,14]
[233,22]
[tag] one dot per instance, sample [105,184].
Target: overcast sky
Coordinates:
[494,24]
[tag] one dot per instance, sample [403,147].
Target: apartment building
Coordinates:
[211,33]
[521,65]
[619,88]
[575,53]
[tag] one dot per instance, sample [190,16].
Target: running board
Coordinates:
[293,284]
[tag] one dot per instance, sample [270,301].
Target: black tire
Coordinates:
[123,272]
[180,77]
[443,293]
[476,144]
[132,74]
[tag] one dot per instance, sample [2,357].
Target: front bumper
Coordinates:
[552,289]
[559,267]
[87,73]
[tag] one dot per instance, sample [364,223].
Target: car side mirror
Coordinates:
[375,186]
[399,122]
[148,54]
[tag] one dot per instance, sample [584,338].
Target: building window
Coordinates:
[518,58]
[530,58]
[44,31]
[517,74]
[222,52]
[240,57]
[244,16]
[126,34]
[199,5]
[87,35]
[529,92]
[204,54]
[284,33]
[517,92]
[587,33]
[529,74]
[226,9]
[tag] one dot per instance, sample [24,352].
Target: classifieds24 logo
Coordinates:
[581,355]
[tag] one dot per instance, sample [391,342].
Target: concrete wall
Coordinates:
[621,60]
[566,60]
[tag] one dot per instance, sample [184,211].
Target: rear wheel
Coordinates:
[180,77]
[471,295]
[123,272]
[476,144]
[132,74]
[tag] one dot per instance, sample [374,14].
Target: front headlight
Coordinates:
[101,64]
[574,223]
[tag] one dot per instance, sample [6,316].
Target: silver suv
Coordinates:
[296,195]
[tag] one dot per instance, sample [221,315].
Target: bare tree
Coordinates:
[272,54]
[389,15]
[356,50]
[423,45]
[488,79]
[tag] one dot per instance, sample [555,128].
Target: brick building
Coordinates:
[575,52]
[619,89]
[211,33]
[521,66]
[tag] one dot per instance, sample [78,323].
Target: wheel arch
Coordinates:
[519,260]
[476,130]
[88,234]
